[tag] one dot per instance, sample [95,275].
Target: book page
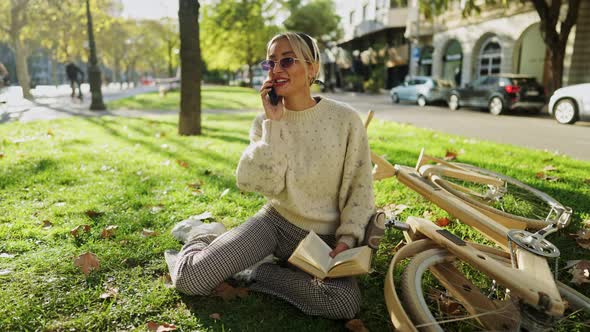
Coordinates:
[347,255]
[317,251]
[358,262]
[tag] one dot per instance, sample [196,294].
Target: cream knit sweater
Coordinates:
[314,167]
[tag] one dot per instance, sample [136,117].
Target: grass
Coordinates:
[138,173]
[214,97]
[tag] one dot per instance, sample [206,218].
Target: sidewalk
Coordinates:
[55,102]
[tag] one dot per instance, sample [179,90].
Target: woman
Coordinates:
[310,157]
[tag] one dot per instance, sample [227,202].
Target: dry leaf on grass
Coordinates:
[93,214]
[49,132]
[109,293]
[582,236]
[1,155]
[109,231]
[580,272]
[46,224]
[445,303]
[182,164]
[225,192]
[543,176]
[227,292]
[393,210]
[356,325]
[167,280]
[87,262]
[587,181]
[215,316]
[443,222]
[450,155]
[160,327]
[549,168]
[80,229]
[148,232]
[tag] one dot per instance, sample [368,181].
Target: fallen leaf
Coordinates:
[157,327]
[215,316]
[442,222]
[5,272]
[427,214]
[546,177]
[80,228]
[182,164]
[47,224]
[580,272]
[93,214]
[167,280]
[160,134]
[194,186]
[156,208]
[227,292]
[49,132]
[450,155]
[356,325]
[148,232]
[393,210]
[87,262]
[110,293]
[445,304]
[224,192]
[583,234]
[109,231]
[587,181]
[549,168]
[1,155]
[584,243]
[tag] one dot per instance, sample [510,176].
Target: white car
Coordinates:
[571,104]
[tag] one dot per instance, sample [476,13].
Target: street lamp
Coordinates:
[93,70]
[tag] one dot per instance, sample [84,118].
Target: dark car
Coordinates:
[499,93]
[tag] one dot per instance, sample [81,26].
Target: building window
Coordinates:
[453,62]
[490,58]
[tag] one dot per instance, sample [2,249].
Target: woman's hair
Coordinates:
[304,47]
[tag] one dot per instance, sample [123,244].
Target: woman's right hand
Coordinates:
[273,112]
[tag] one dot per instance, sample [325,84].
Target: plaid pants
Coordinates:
[205,262]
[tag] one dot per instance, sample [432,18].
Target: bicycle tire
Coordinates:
[415,304]
[537,211]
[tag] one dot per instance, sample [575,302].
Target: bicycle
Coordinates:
[479,198]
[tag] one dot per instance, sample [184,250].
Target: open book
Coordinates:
[312,255]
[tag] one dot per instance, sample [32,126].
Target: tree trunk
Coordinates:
[190,66]
[170,69]
[556,79]
[250,75]
[22,71]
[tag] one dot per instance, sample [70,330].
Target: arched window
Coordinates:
[453,62]
[490,57]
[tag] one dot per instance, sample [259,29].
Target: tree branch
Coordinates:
[570,20]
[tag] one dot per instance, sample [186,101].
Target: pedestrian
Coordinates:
[310,158]
[76,77]
[4,76]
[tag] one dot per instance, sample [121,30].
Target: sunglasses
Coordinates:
[285,63]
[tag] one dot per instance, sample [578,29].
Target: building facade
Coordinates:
[498,40]
[373,47]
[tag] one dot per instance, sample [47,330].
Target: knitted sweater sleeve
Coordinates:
[356,200]
[263,164]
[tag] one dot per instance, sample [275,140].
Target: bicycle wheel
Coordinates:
[435,287]
[516,200]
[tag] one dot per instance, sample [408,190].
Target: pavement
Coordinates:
[531,131]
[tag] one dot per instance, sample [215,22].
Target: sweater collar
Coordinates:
[306,114]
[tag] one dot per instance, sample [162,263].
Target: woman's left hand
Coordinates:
[340,247]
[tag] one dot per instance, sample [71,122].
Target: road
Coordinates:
[532,131]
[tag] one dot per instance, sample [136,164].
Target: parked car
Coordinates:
[571,104]
[422,90]
[499,93]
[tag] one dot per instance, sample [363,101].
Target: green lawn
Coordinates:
[139,174]
[214,97]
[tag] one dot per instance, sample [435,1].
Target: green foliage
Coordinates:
[376,81]
[317,18]
[234,33]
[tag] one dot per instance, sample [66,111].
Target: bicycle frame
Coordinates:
[525,274]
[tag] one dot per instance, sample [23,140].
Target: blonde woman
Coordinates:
[310,158]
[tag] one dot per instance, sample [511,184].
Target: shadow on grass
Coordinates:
[252,314]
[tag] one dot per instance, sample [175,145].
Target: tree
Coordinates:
[235,32]
[190,59]
[317,18]
[14,24]
[554,30]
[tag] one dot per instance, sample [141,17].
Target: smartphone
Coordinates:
[274,98]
